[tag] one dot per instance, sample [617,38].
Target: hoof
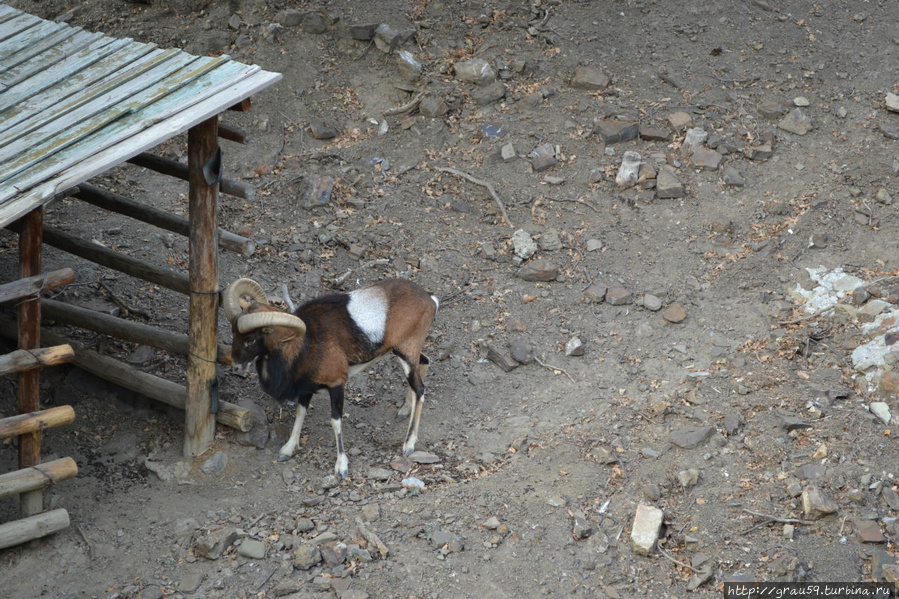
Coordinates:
[342,473]
[283,457]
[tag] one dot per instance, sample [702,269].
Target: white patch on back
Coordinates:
[368,309]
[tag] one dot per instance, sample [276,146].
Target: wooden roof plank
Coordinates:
[16,25]
[131,145]
[33,49]
[22,39]
[48,57]
[34,78]
[129,137]
[57,130]
[158,103]
[57,85]
[142,72]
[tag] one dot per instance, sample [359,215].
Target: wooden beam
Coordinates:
[232,133]
[36,421]
[116,261]
[171,168]
[23,360]
[33,285]
[37,477]
[37,526]
[149,386]
[199,426]
[156,217]
[29,324]
[125,329]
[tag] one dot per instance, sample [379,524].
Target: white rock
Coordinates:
[523,244]
[694,139]
[892,102]
[801,101]
[645,533]
[881,410]
[627,173]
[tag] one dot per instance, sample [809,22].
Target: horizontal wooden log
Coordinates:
[124,329]
[24,424]
[23,360]
[157,217]
[31,286]
[116,261]
[37,477]
[179,171]
[150,386]
[34,527]
[232,133]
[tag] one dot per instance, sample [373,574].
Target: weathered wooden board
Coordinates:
[74,104]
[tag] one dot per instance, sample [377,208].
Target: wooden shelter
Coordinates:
[73,105]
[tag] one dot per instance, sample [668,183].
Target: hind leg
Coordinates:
[409,403]
[414,400]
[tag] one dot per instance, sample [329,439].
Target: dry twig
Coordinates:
[407,107]
[551,367]
[679,563]
[466,176]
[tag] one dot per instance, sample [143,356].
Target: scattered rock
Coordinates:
[423,457]
[408,66]
[668,186]
[771,110]
[363,32]
[589,78]
[596,293]
[627,172]
[796,122]
[693,140]
[538,270]
[582,529]
[619,296]
[543,157]
[651,302]
[869,531]
[891,497]
[388,39]
[645,532]
[213,543]
[489,93]
[321,130]
[688,478]
[433,107]
[674,314]
[614,131]
[892,102]
[477,71]
[501,359]
[251,548]
[706,160]
[333,552]
[691,437]
[574,347]
[523,244]
[816,504]
[306,556]
[653,134]
[881,410]
[216,464]
[759,153]
[680,120]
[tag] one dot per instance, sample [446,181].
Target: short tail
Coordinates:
[436,301]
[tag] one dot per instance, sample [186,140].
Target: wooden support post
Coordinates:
[199,429]
[30,246]
[35,527]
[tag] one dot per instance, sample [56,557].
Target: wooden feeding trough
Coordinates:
[74,104]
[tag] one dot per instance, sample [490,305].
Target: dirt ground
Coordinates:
[684,307]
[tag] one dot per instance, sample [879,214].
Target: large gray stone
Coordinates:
[589,78]
[691,437]
[668,186]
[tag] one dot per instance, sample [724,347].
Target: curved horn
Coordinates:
[232,299]
[257,320]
